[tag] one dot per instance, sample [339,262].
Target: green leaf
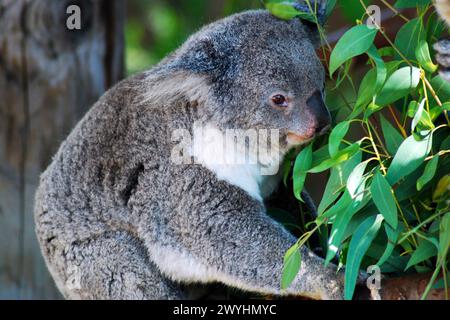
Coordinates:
[441,87]
[366,88]
[444,236]
[343,218]
[424,251]
[445,145]
[418,115]
[337,180]
[392,236]
[336,137]
[383,198]
[399,84]
[442,189]
[428,173]
[386,51]
[423,56]
[301,165]
[291,266]
[435,27]
[320,155]
[356,178]
[359,244]
[401,4]
[412,108]
[340,206]
[381,67]
[409,37]
[351,11]
[340,157]
[409,157]
[354,42]
[371,109]
[391,136]
[282,10]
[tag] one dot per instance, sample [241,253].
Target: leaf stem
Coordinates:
[400,127]
[397,13]
[376,150]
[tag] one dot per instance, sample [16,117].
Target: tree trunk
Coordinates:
[49,77]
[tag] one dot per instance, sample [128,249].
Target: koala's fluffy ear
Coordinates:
[204,57]
[313,33]
[320,7]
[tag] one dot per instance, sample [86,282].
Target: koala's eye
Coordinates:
[279,101]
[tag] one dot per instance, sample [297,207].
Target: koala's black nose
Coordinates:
[319,111]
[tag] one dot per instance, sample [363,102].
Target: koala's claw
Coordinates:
[443,58]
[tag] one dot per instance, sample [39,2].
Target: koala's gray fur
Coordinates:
[442,47]
[117,220]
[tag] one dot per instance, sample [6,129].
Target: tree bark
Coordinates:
[49,77]
[410,287]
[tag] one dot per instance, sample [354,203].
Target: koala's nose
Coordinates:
[319,111]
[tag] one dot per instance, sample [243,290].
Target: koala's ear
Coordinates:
[204,56]
[319,7]
[313,33]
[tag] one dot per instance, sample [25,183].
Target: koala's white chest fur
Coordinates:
[250,166]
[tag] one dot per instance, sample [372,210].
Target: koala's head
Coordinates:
[263,73]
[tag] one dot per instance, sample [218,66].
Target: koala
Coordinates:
[443,46]
[117,218]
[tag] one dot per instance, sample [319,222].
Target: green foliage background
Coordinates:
[387,199]
[156,27]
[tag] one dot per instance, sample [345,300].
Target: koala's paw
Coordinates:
[333,287]
[443,58]
[334,290]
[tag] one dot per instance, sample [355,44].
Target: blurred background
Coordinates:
[50,76]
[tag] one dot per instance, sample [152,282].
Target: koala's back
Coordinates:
[86,189]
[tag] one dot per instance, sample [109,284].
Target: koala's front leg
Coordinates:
[230,239]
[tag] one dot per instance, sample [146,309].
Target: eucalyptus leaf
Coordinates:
[291,266]
[337,180]
[381,67]
[392,235]
[339,157]
[282,10]
[402,4]
[441,87]
[423,56]
[410,156]
[383,198]
[444,236]
[343,218]
[429,172]
[418,115]
[366,88]
[336,136]
[301,165]
[359,244]
[409,37]
[442,189]
[399,84]
[424,251]
[354,42]
[356,178]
